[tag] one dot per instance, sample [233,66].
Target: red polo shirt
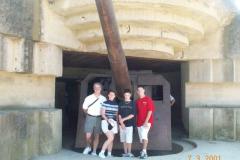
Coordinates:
[143,105]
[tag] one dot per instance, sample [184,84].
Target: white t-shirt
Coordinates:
[95,109]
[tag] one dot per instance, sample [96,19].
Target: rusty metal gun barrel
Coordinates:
[116,54]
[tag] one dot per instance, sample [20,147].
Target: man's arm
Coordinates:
[121,122]
[130,116]
[149,113]
[103,114]
[127,118]
[147,118]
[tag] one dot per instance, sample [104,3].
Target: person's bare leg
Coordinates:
[108,141]
[125,147]
[110,146]
[89,139]
[129,147]
[145,144]
[95,142]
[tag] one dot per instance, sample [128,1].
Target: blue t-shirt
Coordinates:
[111,109]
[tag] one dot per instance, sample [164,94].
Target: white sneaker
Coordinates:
[130,155]
[124,155]
[87,150]
[102,155]
[109,156]
[94,154]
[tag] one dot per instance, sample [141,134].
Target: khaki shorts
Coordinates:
[92,124]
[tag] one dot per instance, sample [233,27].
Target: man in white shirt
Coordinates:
[92,107]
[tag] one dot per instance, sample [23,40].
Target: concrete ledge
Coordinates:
[23,133]
[25,56]
[26,90]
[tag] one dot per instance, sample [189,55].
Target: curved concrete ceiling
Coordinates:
[162,28]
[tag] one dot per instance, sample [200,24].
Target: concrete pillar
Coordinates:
[30,126]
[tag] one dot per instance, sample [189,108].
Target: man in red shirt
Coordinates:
[144,110]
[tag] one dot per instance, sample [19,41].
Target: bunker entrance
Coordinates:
[161,78]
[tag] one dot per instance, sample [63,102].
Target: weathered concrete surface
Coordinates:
[212,88]
[236,69]
[26,90]
[55,31]
[18,17]
[15,54]
[47,60]
[22,133]
[223,95]
[22,55]
[232,38]
[222,70]
[200,71]
[238,124]
[209,48]
[215,123]
[201,123]
[50,124]
[224,127]
[212,70]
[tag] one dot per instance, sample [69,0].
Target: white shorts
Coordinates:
[143,132]
[104,125]
[126,135]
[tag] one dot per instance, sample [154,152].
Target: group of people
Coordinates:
[110,116]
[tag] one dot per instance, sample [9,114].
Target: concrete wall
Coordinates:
[213,90]
[232,38]
[20,18]
[29,124]
[215,123]
[223,95]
